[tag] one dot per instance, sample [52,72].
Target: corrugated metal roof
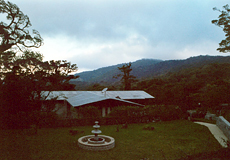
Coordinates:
[61,95]
[83,98]
[79,98]
[77,101]
[126,94]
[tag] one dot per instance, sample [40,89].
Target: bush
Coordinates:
[147,114]
[124,114]
[148,127]
[226,114]
[89,111]
[164,112]
[199,114]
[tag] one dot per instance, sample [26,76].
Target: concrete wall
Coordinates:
[224,125]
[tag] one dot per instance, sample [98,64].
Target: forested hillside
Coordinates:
[144,69]
[203,80]
[104,76]
[206,85]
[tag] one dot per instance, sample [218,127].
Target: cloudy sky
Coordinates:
[99,33]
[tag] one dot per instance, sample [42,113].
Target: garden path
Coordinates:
[217,133]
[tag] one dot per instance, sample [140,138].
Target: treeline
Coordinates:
[207,86]
[204,86]
[144,69]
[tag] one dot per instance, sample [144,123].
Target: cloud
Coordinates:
[112,20]
[96,54]
[98,33]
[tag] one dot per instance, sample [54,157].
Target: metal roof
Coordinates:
[84,98]
[61,95]
[79,98]
[125,94]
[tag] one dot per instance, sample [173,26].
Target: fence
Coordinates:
[224,125]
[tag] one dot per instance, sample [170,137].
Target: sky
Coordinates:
[100,33]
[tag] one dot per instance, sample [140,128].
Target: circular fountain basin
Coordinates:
[104,143]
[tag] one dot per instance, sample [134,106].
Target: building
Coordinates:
[68,103]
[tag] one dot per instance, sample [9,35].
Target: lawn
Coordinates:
[169,140]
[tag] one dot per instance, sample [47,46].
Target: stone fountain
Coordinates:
[96,142]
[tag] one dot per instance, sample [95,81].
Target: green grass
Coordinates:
[169,140]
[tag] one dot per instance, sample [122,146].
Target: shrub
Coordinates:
[164,112]
[89,111]
[199,114]
[148,127]
[124,114]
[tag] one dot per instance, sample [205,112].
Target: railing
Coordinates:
[224,125]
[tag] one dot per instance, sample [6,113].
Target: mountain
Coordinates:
[105,75]
[145,69]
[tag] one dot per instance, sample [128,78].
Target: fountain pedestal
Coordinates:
[96,130]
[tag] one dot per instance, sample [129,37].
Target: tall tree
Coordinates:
[57,74]
[15,35]
[16,32]
[25,76]
[127,79]
[21,89]
[223,21]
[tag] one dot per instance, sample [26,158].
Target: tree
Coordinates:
[25,76]
[57,74]
[126,79]
[16,87]
[21,89]
[16,33]
[223,21]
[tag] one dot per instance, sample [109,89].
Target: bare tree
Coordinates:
[127,79]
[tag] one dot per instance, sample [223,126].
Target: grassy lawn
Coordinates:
[169,140]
